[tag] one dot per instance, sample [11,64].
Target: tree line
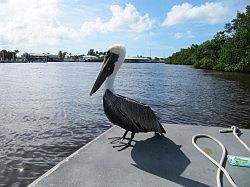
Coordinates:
[229,50]
[6,55]
[68,56]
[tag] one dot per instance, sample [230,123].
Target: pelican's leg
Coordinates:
[124,135]
[119,138]
[131,138]
[157,134]
[129,143]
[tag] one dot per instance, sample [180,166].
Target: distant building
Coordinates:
[20,59]
[89,58]
[43,57]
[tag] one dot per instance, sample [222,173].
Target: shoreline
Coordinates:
[219,70]
[28,62]
[19,62]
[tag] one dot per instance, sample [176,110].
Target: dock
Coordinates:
[171,160]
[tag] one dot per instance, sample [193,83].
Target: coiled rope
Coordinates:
[220,166]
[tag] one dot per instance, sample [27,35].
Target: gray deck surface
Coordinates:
[152,161]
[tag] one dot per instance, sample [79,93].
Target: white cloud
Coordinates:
[35,22]
[209,12]
[153,33]
[31,22]
[184,35]
[127,19]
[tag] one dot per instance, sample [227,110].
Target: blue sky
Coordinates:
[77,25]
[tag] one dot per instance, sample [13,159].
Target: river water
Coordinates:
[46,112]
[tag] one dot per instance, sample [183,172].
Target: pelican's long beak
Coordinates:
[107,69]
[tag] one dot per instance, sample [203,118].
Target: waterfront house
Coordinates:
[89,58]
[43,57]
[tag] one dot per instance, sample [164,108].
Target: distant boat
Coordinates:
[140,60]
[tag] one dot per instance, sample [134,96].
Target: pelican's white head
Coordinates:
[111,64]
[121,52]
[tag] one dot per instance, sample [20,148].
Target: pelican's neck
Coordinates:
[109,84]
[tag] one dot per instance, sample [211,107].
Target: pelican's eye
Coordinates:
[107,55]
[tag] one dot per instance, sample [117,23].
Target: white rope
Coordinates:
[235,130]
[220,166]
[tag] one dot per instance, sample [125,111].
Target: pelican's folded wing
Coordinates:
[136,114]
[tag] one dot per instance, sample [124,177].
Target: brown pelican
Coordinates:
[127,113]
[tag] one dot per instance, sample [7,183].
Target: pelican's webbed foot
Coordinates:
[126,145]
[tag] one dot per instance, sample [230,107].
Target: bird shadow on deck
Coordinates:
[162,157]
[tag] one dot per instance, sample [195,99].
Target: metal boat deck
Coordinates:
[150,161]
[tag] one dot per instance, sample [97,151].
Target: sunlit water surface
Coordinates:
[46,112]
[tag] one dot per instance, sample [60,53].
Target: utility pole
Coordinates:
[150,51]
